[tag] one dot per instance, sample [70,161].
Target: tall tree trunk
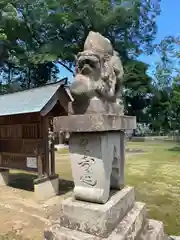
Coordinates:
[29,77]
[9,75]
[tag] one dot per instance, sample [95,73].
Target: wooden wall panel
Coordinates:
[24,131]
[20,146]
[24,136]
[15,162]
[20,119]
[10,131]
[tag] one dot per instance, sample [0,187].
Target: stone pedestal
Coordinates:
[4,177]
[121,218]
[95,219]
[97,161]
[46,187]
[101,207]
[97,153]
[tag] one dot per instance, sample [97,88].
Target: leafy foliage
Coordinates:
[44,32]
[137,89]
[36,35]
[165,104]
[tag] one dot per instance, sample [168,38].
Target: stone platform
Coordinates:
[121,218]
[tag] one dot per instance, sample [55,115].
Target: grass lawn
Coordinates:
[156,177]
[155,174]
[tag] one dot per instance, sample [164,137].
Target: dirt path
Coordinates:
[22,217]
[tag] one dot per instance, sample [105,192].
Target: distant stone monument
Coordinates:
[101,206]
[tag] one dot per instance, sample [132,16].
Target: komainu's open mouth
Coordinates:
[87,63]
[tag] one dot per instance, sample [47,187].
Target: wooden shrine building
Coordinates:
[26,128]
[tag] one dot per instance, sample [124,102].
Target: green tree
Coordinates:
[38,34]
[159,110]
[53,27]
[175,106]
[164,104]
[130,25]
[137,89]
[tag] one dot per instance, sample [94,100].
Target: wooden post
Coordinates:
[40,164]
[45,126]
[52,161]
[0,159]
[51,147]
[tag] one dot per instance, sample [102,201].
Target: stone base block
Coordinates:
[97,219]
[132,224]
[128,228]
[46,188]
[153,231]
[4,177]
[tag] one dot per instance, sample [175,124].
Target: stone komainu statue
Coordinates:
[99,70]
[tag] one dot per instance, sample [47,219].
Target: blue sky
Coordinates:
[168,24]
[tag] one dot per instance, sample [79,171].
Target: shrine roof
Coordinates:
[32,100]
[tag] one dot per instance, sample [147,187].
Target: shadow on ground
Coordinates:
[65,186]
[174,149]
[22,181]
[25,181]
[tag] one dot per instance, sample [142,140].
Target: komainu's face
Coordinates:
[89,65]
[88,73]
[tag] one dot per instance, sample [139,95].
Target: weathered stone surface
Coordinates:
[99,70]
[61,233]
[97,219]
[117,173]
[46,189]
[4,177]
[93,106]
[154,231]
[132,224]
[127,229]
[94,123]
[97,161]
